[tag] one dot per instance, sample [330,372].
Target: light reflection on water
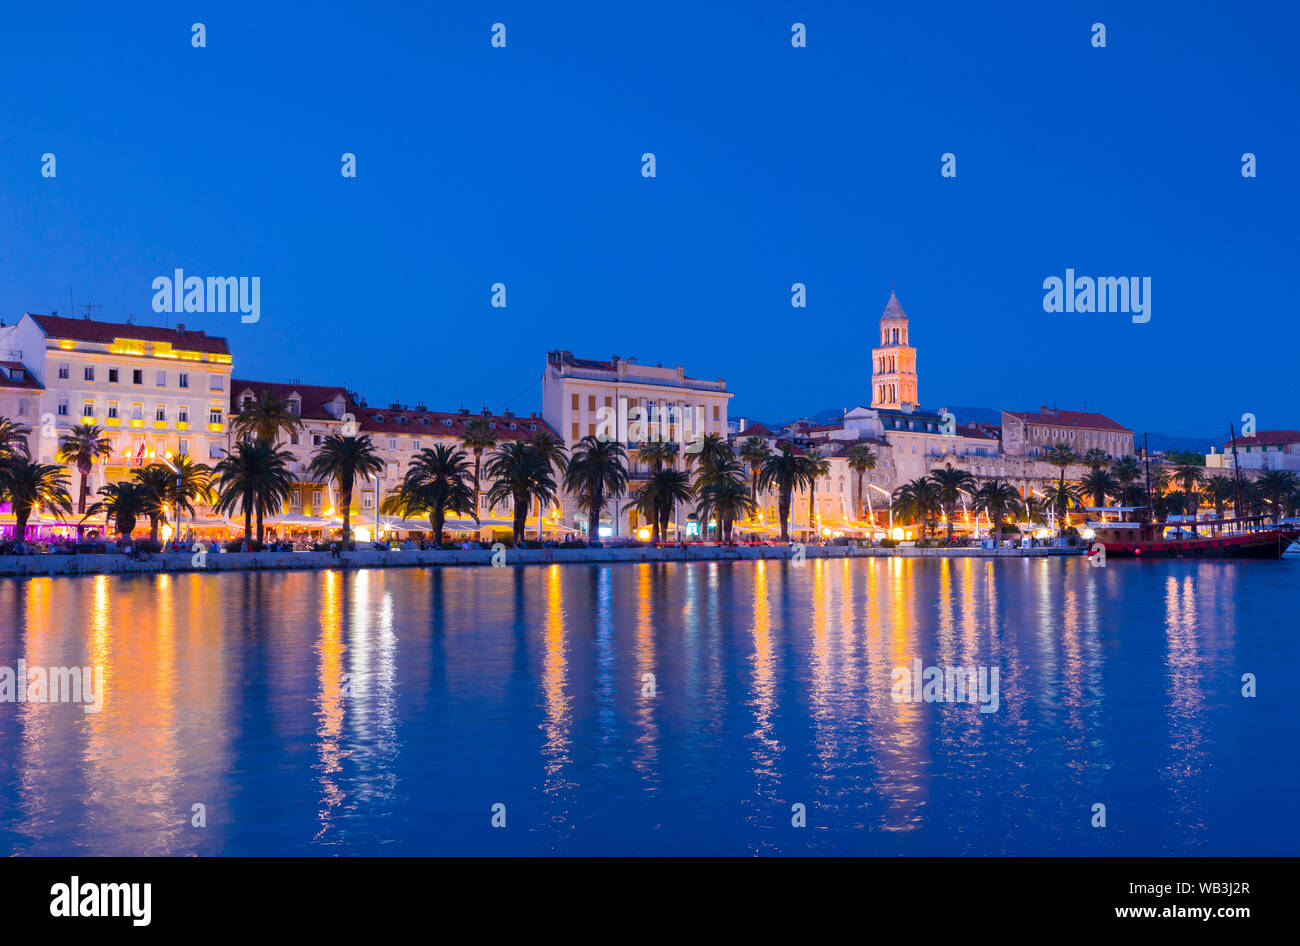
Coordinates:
[387,711]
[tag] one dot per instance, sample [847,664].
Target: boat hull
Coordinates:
[1270,544]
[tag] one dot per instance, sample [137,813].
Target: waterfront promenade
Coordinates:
[118,564]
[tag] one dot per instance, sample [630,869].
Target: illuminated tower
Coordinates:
[893,371]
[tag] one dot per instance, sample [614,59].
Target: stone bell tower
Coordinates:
[893,364]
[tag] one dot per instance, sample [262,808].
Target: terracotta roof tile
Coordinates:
[90,330]
[1070,419]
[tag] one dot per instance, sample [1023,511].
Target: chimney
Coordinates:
[180,328]
[486,412]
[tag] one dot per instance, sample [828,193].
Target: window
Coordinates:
[591,402]
[183,415]
[23,407]
[316,440]
[367,500]
[293,438]
[576,435]
[214,415]
[216,384]
[392,443]
[214,450]
[112,376]
[63,407]
[715,412]
[574,403]
[160,412]
[88,373]
[88,408]
[65,370]
[137,376]
[183,379]
[591,430]
[162,379]
[137,411]
[112,408]
[184,448]
[415,445]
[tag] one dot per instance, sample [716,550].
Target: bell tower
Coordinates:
[893,364]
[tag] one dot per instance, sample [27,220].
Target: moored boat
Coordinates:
[1251,537]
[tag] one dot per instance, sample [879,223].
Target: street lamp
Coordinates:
[166,460]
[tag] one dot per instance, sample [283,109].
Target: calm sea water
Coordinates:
[388,711]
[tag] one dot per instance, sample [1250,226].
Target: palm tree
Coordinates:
[188,483]
[786,471]
[344,459]
[13,439]
[657,453]
[521,473]
[154,481]
[478,437]
[1063,497]
[862,460]
[1127,471]
[1189,472]
[553,451]
[714,449]
[658,495]
[437,481]
[1060,456]
[265,418]
[753,452]
[123,504]
[949,484]
[256,479]
[999,500]
[1095,459]
[1099,483]
[818,466]
[1277,485]
[1219,490]
[714,469]
[27,485]
[597,469]
[82,447]
[918,500]
[726,499]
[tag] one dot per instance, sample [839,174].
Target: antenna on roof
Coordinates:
[89,309]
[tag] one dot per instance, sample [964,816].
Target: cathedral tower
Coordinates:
[893,366]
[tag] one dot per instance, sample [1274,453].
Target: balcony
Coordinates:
[182,425]
[216,428]
[160,425]
[112,421]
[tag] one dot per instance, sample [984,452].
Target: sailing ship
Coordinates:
[1242,537]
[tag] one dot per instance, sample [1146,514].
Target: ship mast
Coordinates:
[1236,471]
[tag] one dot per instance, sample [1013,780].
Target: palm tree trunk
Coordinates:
[478,461]
[21,515]
[345,495]
[520,514]
[248,521]
[783,507]
[260,529]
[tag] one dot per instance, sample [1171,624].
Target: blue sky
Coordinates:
[775,165]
